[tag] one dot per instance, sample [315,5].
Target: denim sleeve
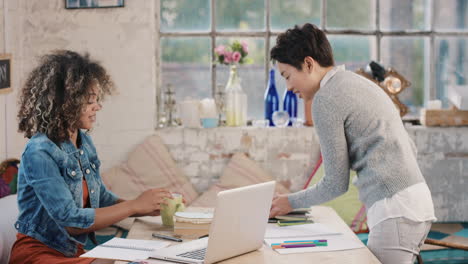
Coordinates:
[106,197]
[43,175]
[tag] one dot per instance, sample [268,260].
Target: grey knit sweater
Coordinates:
[360,129]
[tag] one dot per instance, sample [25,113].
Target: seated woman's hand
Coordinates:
[149,202]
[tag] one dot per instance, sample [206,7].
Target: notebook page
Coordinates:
[116,253]
[138,244]
[125,249]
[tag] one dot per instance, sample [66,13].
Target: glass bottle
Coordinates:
[290,105]
[236,100]
[271,98]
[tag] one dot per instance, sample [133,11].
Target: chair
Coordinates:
[9,214]
[442,244]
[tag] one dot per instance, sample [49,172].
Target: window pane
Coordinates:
[286,14]
[350,14]
[451,15]
[451,64]
[397,15]
[186,65]
[353,51]
[406,55]
[240,15]
[185,15]
[252,75]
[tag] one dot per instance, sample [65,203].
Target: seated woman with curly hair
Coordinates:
[61,196]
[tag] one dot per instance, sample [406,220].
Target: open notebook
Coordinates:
[125,249]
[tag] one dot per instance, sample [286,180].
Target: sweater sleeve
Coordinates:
[329,125]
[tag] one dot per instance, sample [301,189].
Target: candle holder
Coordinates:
[170,106]
[220,104]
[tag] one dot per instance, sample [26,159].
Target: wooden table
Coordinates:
[144,227]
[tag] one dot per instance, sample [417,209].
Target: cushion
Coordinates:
[240,171]
[8,177]
[4,188]
[348,206]
[149,165]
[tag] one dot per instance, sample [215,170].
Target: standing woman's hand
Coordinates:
[149,202]
[280,206]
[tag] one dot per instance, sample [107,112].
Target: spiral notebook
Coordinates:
[125,249]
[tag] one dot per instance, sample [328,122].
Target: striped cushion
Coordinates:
[241,171]
[150,165]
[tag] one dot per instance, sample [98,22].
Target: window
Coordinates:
[425,40]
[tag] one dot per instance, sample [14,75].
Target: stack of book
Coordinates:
[192,224]
[295,217]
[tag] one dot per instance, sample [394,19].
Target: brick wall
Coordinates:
[290,154]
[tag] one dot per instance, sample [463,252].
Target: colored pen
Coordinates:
[298,245]
[295,241]
[167,237]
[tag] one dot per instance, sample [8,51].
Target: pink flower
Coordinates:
[236,56]
[227,57]
[220,50]
[245,47]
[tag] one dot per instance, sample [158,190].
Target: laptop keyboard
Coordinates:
[196,254]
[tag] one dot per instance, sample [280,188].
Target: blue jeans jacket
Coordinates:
[50,191]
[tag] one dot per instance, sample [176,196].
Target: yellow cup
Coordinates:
[173,205]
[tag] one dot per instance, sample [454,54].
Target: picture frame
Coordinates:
[78,4]
[5,73]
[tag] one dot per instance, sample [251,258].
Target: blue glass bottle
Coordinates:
[290,105]
[271,98]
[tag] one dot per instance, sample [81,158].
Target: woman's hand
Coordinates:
[280,206]
[149,202]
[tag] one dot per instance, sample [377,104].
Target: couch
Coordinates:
[9,207]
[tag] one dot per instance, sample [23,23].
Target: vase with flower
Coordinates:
[235,98]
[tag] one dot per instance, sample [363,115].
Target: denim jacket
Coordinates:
[50,191]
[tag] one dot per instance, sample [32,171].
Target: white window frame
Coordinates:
[429,90]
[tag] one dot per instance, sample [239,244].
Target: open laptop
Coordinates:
[238,226]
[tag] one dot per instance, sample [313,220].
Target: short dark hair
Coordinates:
[299,42]
[56,93]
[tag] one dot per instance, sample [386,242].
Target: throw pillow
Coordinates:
[149,165]
[8,177]
[240,171]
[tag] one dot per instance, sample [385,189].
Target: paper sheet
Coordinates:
[125,249]
[275,231]
[335,242]
[116,253]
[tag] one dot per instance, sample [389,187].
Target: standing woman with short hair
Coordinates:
[62,199]
[359,128]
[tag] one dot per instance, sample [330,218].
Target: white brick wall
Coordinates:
[289,154]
